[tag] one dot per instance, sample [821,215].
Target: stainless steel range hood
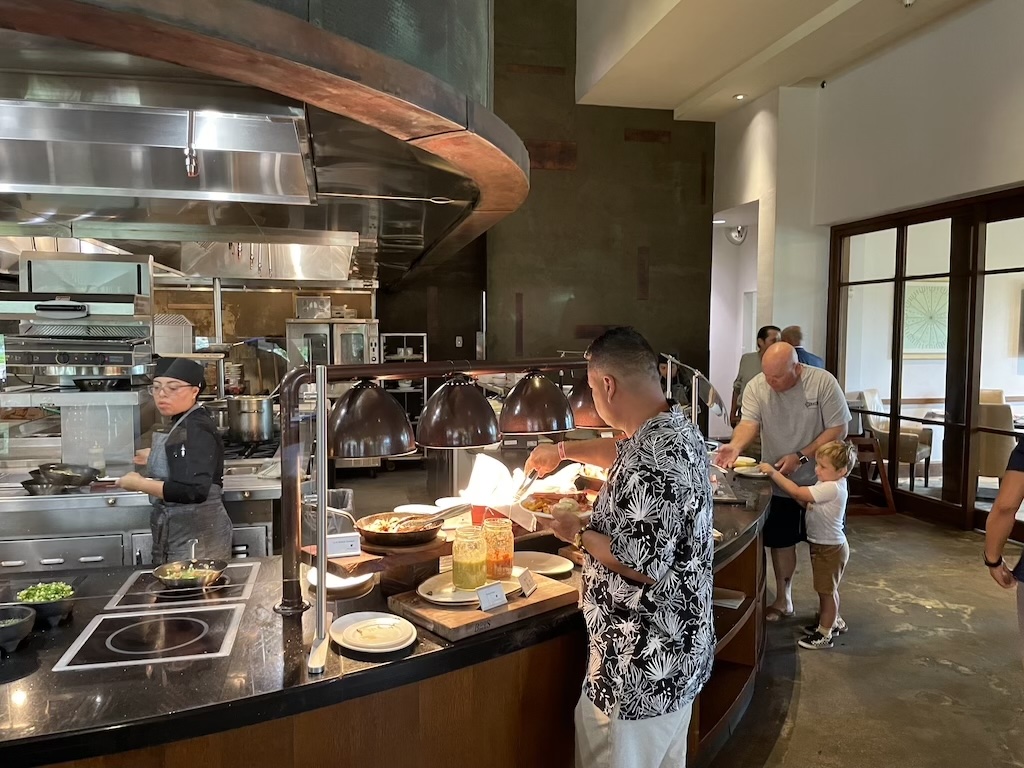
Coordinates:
[121,138]
[92,152]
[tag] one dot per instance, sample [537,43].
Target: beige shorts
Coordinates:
[828,561]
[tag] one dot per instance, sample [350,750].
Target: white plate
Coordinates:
[543,563]
[373,632]
[417,509]
[441,591]
[338,582]
[749,472]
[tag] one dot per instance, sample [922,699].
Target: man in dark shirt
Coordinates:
[793,335]
[647,582]
[999,525]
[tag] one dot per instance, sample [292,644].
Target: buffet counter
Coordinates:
[502,698]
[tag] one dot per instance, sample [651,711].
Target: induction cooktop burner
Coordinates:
[144,590]
[154,637]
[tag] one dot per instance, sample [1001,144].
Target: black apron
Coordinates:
[174,524]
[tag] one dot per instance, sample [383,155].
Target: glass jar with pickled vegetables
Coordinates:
[469,558]
[500,543]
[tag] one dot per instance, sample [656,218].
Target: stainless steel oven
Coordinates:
[333,342]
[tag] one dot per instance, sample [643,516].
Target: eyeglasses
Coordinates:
[169,389]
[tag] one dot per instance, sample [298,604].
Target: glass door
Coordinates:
[1001,397]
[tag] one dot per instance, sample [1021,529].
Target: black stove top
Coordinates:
[233,450]
[143,590]
[154,637]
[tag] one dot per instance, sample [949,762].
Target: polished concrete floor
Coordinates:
[929,675]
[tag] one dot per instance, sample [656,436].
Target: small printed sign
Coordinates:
[343,545]
[491,596]
[527,582]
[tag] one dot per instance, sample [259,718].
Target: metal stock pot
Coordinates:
[250,419]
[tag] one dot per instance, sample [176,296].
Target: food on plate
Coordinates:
[384,525]
[10,622]
[745,461]
[46,592]
[546,502]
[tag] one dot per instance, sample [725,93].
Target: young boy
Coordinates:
[826,519]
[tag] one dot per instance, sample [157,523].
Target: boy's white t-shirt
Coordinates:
[826,515]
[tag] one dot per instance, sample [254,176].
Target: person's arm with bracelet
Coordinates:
[1000,523]
[599,452]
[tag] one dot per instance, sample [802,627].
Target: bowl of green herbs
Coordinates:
[51,601]
[15,623]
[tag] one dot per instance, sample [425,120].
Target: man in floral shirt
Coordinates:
[647,583]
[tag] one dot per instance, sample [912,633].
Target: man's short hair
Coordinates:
[624,353]
[764,330]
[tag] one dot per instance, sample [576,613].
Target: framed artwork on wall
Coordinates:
[925,319]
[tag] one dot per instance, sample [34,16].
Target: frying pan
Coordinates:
[204,572]
[43,488]
[68,474]
[389,539]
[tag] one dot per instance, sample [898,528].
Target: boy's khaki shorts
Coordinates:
[828,561]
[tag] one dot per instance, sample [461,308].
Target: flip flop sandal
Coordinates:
[774,615]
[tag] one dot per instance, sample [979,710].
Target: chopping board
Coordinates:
[457,623]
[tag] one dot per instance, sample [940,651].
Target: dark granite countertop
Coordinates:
[48,717]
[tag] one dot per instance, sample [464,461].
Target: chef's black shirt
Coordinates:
[195,459]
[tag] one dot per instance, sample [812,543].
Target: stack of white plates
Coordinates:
[543,563]
[441,591]
[373,632]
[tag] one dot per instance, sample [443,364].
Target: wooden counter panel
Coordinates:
[511,712]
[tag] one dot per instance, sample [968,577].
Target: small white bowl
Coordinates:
[416,509]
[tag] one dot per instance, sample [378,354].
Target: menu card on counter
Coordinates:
[527,582]
[492,596]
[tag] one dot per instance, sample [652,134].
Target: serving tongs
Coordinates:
[415,522]
[524,486]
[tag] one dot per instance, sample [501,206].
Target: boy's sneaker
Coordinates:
[840,628]
[815,642]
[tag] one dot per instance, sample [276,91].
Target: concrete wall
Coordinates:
[937,118]
[622,189]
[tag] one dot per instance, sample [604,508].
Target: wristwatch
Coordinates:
[577,540]
[803,459]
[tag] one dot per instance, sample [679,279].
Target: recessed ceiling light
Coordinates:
[740,96]
[718,221]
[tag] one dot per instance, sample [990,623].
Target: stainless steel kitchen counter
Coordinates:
[111,526]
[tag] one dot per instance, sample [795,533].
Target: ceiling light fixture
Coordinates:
[718,221]
[535,406]
[457,415]
[584,412]
[740,96]
[367,422]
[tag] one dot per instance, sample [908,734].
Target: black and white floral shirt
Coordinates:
[651,647]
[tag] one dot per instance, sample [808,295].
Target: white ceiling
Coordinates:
[694,56]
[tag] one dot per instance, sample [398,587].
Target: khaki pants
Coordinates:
[603,742]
